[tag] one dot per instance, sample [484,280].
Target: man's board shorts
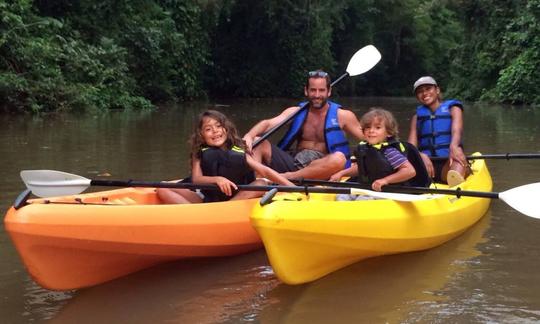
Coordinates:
[284,162]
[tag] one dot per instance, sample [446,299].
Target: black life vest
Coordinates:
[373,165]
[230,164]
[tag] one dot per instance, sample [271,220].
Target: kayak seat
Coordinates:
[422,178]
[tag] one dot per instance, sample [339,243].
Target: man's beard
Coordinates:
[318,106]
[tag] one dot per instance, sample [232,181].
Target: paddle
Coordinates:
[505,156]
[521,198]
[47,183]
[50,183]
[362,61]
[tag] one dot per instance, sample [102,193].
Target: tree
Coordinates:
[499,58]
[265,48]
[45,66]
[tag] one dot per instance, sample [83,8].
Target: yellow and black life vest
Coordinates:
[230,164]
[373,165]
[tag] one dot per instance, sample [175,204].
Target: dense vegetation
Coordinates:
[83,54]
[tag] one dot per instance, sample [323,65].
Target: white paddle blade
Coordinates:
[363,60]
[50,183]
[392,196]
[523,199]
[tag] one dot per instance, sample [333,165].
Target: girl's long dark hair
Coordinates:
[233,139]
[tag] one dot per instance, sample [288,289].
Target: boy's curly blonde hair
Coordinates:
[385,116]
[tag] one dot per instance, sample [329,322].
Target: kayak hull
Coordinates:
[306,240]
[79,241]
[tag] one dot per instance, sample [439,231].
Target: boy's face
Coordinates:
[376,132]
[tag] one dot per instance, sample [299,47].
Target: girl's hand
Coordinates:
[225,185]
[378,184]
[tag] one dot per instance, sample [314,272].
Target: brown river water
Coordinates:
[489,274]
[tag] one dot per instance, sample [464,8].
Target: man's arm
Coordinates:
[265,125]
[350,124]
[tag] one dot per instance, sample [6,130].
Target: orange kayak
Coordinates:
[82,240]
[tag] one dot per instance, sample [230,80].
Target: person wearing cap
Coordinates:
[436,129]
[315,146]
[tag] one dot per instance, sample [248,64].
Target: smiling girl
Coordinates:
[218,157]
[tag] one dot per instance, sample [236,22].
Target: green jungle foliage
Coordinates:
[499,60]
[83,54]
[265,48]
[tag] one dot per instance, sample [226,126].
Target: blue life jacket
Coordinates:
[230,164]
[373,164]
[434,129]
[335,138]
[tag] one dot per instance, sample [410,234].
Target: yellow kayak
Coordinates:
[308,239]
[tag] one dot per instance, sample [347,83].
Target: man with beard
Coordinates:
[315,146]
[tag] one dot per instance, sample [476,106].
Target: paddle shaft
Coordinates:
[404,189]
[181,185]
[290,117]
[278,126]
[337,187]
[50,183]
[505,156]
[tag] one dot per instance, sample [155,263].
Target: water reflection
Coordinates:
[42,303]
[196,291]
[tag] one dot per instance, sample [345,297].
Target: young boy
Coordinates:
[380,160]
